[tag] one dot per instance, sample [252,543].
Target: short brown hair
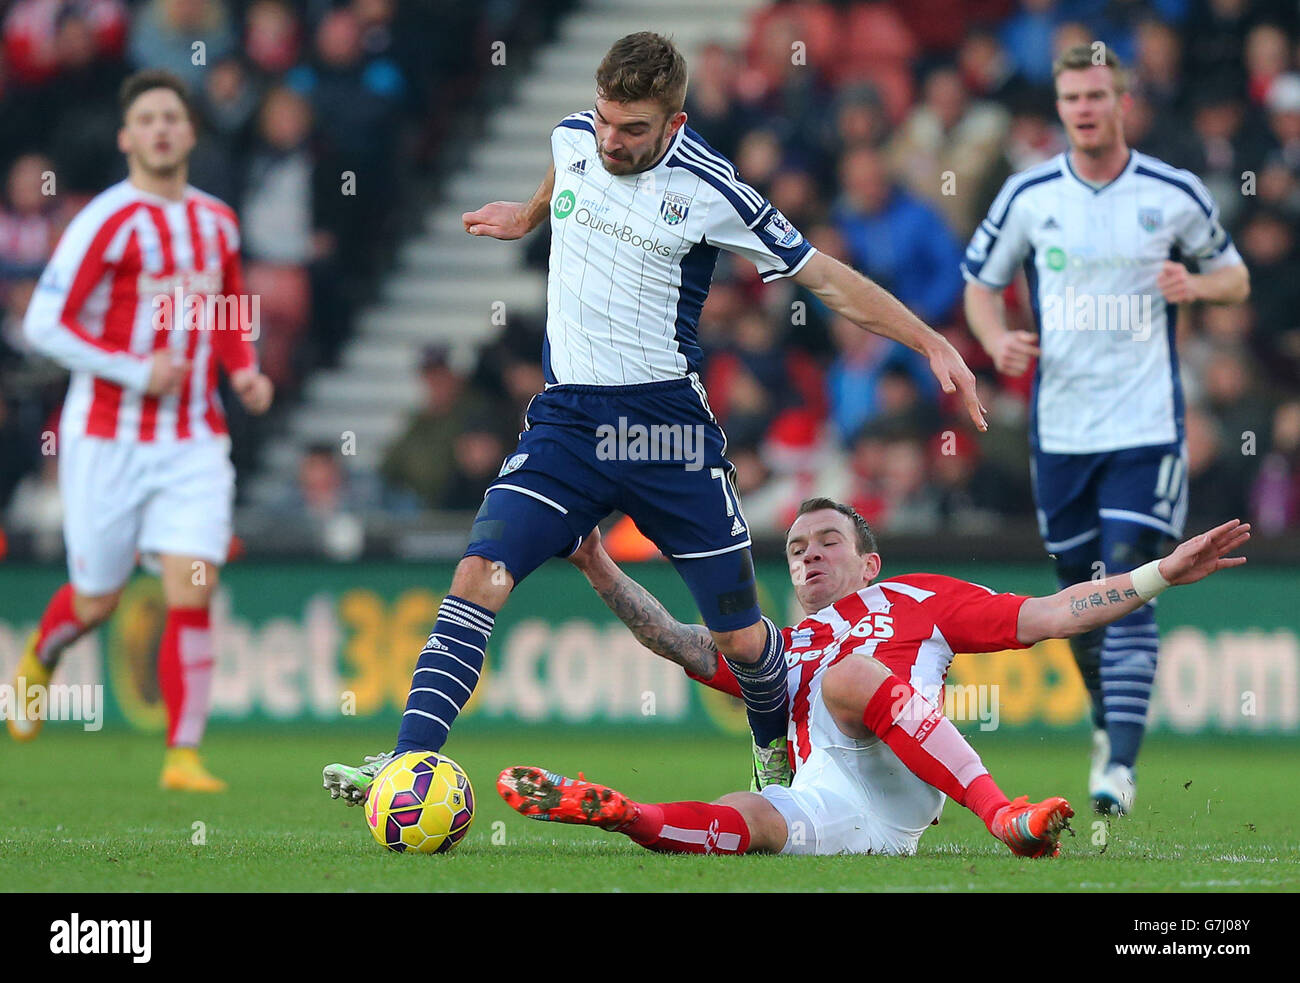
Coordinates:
[644,65]
[1083,56]
[147,80]
[866,539]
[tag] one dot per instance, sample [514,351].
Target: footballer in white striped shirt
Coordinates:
[640,207]
[143,302]
[1103,234]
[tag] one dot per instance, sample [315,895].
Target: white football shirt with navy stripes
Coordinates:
[632,256]
[1108,376]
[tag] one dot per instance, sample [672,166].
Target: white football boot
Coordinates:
[1116,792]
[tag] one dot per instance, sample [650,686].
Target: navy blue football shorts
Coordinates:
[1117,507]
[652,451]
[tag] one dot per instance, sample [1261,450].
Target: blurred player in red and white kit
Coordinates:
[873,754]
[142,301]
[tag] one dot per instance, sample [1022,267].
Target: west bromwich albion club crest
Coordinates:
[674,207]
[513,463]
[1149,218]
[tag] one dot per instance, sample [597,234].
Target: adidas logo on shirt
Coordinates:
[578,167]
[737,527]
[1050,223]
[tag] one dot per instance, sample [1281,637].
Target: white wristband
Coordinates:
[1148,582]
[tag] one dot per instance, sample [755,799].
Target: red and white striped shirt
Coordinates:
[108,299]
[914,624]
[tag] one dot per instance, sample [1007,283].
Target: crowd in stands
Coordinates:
[316,118]
[882,130]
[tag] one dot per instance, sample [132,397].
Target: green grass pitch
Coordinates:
[81,812]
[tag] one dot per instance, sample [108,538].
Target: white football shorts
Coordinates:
[852,796]
[122,498]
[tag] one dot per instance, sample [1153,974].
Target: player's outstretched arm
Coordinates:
[872,307]
[690,646]
[1095,603]
[512,219]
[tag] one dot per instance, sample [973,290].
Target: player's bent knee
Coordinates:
[767,829]
[850,684]
[742,645]
[481,581]
[95,609]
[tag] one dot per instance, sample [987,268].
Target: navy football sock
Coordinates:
[446,674]
[763,684]
[1128,669]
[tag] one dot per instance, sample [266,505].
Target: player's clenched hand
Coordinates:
[499,219]
[1175,283]
[1013,350]
[254,390]
[954,376]
[165,374]
[1205,554]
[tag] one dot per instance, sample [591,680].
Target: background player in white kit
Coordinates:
[144,452]
[873,754]
[1101,231]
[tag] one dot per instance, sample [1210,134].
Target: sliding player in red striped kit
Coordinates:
[873,754]
[142,301]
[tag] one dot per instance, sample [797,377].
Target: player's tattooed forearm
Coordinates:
[690,646]
[1079,604]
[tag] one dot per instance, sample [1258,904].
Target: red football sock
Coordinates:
[689,827]
[931,747]
[59,627]
[185,674]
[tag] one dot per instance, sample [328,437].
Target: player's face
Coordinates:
[632,136]
[825,564]
[157,136]
[1090,109]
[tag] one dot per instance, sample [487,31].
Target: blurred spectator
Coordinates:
[1276,495]
[1217,484]
[280,237]
[1268,243]
[1027,37]
[420,460]
[757,379]
[182,36]
[26,219]
[225,106]
[712,108]
[1283,105]
[910,501]
[31,35]
[1215,33]
[1267,55]
[896,239]
[986,70]
[477,455]
[360,97]
[879,50]
[864,377]
[272,37]
[947,146]
[1233,397]
[1157,69]
[972,496]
